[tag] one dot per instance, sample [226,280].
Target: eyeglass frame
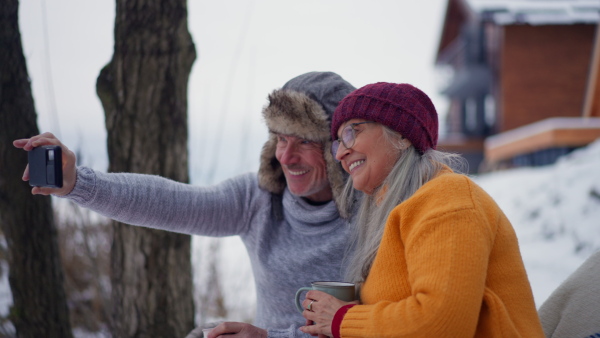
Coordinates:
[335,145]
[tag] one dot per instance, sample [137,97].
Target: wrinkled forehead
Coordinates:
[292,137]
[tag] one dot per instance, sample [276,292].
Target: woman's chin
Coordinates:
[361,187]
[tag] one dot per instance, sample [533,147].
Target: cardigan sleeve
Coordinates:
[337,319]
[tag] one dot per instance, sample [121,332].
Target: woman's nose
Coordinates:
[341,152]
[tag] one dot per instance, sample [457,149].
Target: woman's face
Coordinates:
[370,159]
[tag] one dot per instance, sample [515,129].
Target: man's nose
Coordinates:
[290,154]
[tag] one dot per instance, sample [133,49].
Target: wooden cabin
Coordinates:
[522,79]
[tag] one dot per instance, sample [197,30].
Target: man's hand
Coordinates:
[68,161]
[237,329]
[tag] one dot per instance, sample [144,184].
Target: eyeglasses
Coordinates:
[348,137]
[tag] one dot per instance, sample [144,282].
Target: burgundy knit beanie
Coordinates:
[402,107]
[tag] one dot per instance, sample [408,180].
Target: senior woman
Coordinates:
[435,256]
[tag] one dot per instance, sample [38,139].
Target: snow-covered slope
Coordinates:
[555,211]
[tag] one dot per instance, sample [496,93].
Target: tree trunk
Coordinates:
[144,94]
[36,276]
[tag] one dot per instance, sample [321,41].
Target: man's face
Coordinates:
[304,167]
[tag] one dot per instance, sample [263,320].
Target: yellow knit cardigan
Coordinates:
[448,265]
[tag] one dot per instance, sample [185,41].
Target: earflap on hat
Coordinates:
[270,174]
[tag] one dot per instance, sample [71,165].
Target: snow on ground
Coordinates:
[555,211]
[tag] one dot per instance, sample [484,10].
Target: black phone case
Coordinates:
[45,171]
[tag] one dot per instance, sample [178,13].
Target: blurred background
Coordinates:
[246,49]
[474,58]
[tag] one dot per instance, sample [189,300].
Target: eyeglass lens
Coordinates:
[348,137]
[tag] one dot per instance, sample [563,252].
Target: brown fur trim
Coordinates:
[270,174]
[294,113]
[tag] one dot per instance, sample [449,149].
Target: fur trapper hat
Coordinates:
[303,108]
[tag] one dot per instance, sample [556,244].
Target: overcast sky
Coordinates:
[245,50]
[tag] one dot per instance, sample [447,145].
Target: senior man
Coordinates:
[286,215]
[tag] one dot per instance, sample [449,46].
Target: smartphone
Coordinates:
[45,167]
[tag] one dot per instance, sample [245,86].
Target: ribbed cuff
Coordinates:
[85,186]
[337,320]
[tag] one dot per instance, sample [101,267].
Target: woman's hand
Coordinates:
[323,309]
[68,163]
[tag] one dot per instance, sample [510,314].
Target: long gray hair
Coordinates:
[408,174]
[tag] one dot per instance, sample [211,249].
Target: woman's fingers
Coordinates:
[311,330]
[317,329]
[323,308]
[307,303]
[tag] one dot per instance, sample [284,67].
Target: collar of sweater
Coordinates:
[307,218]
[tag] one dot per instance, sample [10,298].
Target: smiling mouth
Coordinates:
[297,173]
[355,164]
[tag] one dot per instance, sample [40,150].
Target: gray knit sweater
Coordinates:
[307,245]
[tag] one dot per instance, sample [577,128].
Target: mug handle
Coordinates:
[298,303]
